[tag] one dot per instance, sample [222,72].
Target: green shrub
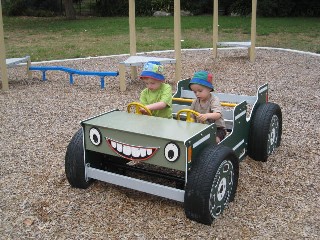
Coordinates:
[38,8]
[275,8]
[241,7]
[111,8]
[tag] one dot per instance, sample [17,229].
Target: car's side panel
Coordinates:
[201,140]
[262,97]
[237,140]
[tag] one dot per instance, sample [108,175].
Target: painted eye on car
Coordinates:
[95,136]
[172,151]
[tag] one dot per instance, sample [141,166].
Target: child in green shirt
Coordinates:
[157,96]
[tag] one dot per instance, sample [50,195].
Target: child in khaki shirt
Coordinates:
[207,104]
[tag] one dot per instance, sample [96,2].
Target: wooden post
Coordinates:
[28,66]
[3,65]
[253,31]
[177,39]
[215,27]
[132,30]
[122,77]
[132,27]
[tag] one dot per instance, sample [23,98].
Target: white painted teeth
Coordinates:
[135,152]
[119,147]
[143,152]
[126,150]
[131,151]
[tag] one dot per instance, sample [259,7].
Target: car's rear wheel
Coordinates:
[212,183]
[75,163]
[265,131]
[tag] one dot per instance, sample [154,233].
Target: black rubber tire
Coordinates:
[265,131]
[75,163]
[212,183]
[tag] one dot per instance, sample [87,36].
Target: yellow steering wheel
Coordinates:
[188,112]
[137,108]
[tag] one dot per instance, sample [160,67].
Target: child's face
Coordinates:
[152,84]
[201,92]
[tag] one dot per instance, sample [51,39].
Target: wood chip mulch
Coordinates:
[278,199]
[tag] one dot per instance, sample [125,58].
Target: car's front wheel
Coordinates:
[212,183]
[75,163]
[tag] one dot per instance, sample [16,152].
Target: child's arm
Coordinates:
[214,116]
[165,99]
[215,113]
[156,106]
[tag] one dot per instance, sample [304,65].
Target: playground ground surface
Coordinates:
[278,199]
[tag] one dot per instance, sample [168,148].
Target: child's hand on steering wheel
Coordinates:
[143,111]
[202,117]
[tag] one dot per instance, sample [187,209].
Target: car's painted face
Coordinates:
[131,152]
[203,93]
[136,152]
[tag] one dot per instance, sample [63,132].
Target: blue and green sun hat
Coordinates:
[152,70]
[202,78]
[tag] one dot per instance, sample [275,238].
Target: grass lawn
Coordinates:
[57,38]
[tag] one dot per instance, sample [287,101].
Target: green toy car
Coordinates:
[177,159]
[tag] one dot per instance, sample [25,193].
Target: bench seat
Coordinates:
[184,96]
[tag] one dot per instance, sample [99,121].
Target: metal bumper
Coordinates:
[136,184]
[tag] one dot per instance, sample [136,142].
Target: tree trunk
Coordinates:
[69,9]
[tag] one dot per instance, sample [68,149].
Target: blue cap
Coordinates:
[152,70]
[203,78]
